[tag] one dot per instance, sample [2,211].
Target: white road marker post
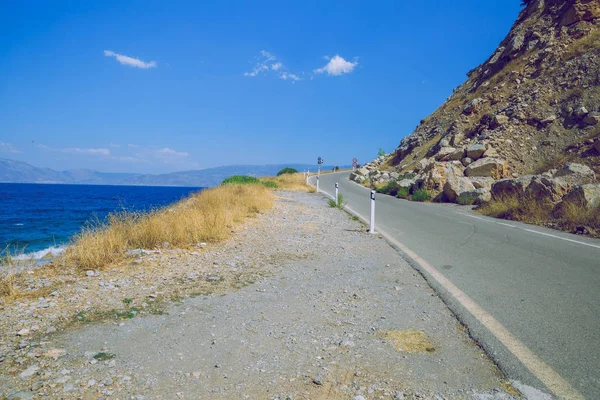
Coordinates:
[372,227]
[337,189]
[307,175]
[317,183]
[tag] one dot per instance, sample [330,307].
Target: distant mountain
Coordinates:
[20,172]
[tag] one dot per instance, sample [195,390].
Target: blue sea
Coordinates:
[41,218]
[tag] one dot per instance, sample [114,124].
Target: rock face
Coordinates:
[587,196]
[507,129]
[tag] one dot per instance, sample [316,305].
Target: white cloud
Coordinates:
[163,155]
[337,66]
[285,76]
[114,145]
[267,62]
[130,61]
[8,148]
[91,152]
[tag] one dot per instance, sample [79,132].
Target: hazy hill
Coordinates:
[21,172]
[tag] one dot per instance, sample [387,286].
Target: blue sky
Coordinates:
[156,86]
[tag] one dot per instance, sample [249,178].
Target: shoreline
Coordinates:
[300,254]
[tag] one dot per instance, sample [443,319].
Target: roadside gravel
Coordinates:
[301,303]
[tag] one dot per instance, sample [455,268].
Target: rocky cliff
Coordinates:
[529,113]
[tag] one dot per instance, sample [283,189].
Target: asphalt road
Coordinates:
[542,285]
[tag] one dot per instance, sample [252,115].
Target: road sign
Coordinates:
[354,163]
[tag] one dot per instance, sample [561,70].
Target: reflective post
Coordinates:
[336,194]
[372,227]
[317,183]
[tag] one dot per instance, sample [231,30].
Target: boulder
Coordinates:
[434,177]
[516,186]
[542,187]
[573,174]
[597,145]
[407,183]
[421,165]
[466,161]
[475,151]
[444,153]
[592,118]
[499,120]
[455,185]
[477,196]
[581,112]
[548,120]
[587,196]
[472,106]
[490,152]
[362,171]
[486,167]
[482,182]
[457,155]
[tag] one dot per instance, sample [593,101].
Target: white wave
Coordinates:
[38,255]
[18,224]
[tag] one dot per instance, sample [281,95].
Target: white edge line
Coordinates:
[542,371]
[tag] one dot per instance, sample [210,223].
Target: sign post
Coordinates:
[336,193]
[372,227]
[317,183]
[319,162]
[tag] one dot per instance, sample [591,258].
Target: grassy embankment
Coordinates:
[569,217]
[208,216]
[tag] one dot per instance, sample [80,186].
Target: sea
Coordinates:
[40,219]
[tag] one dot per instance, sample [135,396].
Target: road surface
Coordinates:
[541,285]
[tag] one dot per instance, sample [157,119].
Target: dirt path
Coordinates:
[340,315]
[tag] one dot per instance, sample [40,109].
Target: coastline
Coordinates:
[301,255]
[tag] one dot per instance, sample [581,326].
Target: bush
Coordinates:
[381,152]
[421,195]
[248,180]
[287,171]
[390,188]
[403,193]
[466,199]
[341,203]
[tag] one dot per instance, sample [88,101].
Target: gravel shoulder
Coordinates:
[301,303]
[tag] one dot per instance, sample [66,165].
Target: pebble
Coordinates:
[29,372]
[358,398]
[23,332]
[318,380]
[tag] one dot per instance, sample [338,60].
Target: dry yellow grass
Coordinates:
[567,216]
[7,285]
[208,216]
[291,182]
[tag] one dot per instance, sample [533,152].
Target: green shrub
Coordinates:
[421,195]
[403,193]
[340,204]
[381,152]
[287,171]
[390,188]
[248,180]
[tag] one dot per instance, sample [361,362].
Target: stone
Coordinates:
[318,380]
[475,151]
[477,196]
[548,120]
[574,174]
[499,120]
[512,186]
[457,155]
[435,175]
[444,153]
[592,118]
[472,106]
[486,167]
[466,161]
[542,187]
[29,372]
[490,152]
[406,183]
[358,398]
[597,145]
[421,165]
[455,185]
[581,112]
[587,196]
[482,182]
[23,332]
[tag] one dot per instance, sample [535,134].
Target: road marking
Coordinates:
[542,371]
[531,230]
